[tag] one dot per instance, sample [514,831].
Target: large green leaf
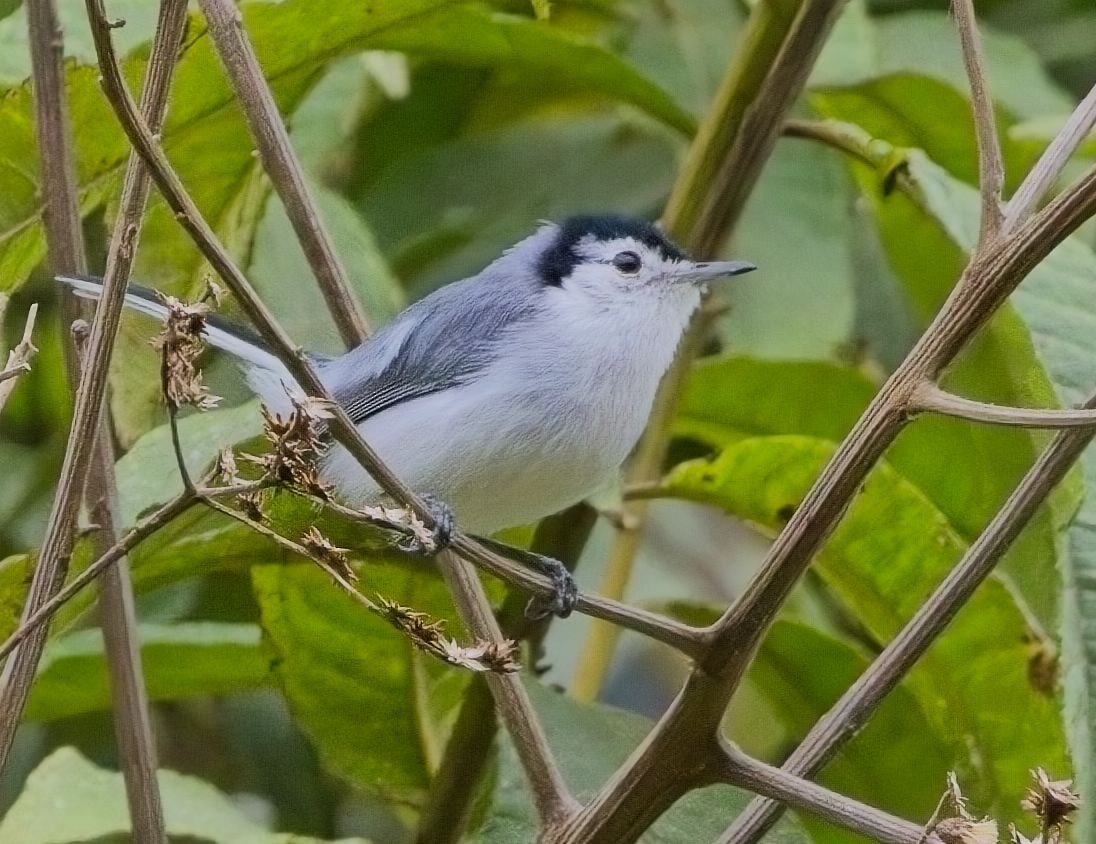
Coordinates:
[375,707]
[885,557]
[728,399]
[443,212]
[801,198]
[590,742]
[68,800]
[179,660]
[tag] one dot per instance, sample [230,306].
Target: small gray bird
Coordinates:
[514,393]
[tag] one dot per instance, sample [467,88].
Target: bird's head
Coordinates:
[609,257]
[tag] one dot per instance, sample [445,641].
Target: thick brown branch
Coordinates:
[991,166]
[929,397]
[852,711]
[280,162]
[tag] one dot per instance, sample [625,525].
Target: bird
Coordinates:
[511,394]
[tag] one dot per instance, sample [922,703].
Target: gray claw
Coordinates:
[444,527]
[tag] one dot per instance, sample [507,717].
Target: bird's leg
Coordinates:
[564,589]
[444,525]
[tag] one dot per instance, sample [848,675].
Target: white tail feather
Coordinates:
[263,371]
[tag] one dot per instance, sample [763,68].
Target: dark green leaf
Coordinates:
[180,660]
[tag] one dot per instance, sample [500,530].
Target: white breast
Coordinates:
[547,424]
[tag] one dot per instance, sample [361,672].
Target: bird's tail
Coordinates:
[260,364]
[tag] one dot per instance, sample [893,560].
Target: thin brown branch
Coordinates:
[298,363]
[684,638]
[857,704]
[1051,163]
[229,36]
[929,397]
[89,460]
[991,167]
[553,801]
[739,769]
[19,357]
[467,755]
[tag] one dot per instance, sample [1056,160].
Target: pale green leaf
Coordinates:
[67,799]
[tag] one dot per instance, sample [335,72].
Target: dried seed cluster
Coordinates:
[428,634]
[180,343]
[296,442]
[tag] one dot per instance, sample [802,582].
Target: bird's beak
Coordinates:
[702,272]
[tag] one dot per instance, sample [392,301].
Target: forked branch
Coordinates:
[929,397]
[857,704]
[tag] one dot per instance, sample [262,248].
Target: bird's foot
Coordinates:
[441,531]
[564,589]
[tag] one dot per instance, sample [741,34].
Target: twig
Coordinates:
[929,397]
[468,751]
[1051,163]
[553,801]
[739,769]
[88,458]
[991,168]
[280,162]
[856,705]
[688,640]
[19,357]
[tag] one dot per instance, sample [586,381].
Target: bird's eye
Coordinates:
[627,262]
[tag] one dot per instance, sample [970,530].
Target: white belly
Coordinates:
[496,462]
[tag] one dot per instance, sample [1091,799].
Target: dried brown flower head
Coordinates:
[180,343]
[967,831]
[321,547]
[1052,802]
[428,634]
[296,442]
[251,504]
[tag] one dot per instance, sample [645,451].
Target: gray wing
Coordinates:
[437,343]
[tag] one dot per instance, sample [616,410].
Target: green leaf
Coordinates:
[914,110]
[179,660]
[436,223]
[968,469]
[801,198]
[278,267]
[376,707]
[590,743]
[730,398]
[882,561]
[67,799]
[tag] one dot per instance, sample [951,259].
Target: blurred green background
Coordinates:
[434,143]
